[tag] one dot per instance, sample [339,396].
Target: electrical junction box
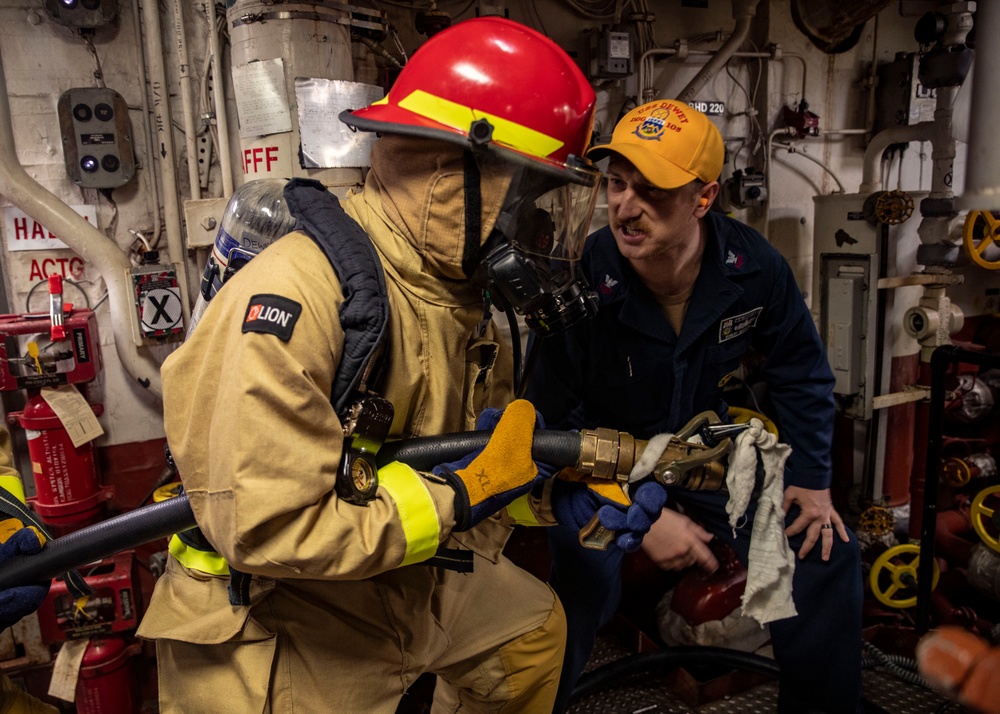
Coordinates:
[747,188]
[609,54]
[847,317]
[900,98]
[96,137]
[158,304]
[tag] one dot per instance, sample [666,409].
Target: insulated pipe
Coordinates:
[268,32]
[671,51]
[943,144]
[871,180]
[187,104]
[982,169]
[154,198]
[82,238]
[743,11]
[937,211]
[142,525]
[164,128]
[219,99]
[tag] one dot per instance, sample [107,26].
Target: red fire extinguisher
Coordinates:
[105,683]
[68,493]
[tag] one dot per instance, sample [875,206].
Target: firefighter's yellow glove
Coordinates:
[608,490]
[10,526]
[488,480]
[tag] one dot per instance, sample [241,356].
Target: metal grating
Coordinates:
[649,694]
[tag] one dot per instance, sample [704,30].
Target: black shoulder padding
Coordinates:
[365,310]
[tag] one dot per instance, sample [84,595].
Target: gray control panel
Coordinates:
[96,136]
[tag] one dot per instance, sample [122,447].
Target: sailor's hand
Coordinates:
[817,517]
[676,542]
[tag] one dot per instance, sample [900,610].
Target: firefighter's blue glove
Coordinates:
[576,498]
[15,603]
[632,526]
[491,478]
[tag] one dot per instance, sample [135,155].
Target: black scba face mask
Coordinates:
[531,257]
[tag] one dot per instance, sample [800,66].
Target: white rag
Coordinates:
[768,594]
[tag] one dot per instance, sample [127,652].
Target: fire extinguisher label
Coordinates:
[126,603]
[80,346]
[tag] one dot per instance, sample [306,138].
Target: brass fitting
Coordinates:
[608,454]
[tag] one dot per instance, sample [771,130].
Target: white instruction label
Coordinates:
[261,100]
[66,670]
[326,141]
[73,411]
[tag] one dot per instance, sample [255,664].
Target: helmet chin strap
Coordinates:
[473,216]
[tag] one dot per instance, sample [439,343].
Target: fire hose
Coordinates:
[599,453]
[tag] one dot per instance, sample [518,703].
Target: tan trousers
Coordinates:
[14,700]
[494,637]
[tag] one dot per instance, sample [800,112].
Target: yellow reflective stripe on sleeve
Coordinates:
[206,561]
[461,117]
[14,485]
[417,512]
[520,511]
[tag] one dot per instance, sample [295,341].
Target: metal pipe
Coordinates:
[982,169]
[671,51]
[83,239]
[219,99]
[154,199]
[871,180]
[187,104]
[164,129]
[743,11]
[943,144]
[793,150]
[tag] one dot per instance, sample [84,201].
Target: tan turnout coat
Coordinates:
[334,625]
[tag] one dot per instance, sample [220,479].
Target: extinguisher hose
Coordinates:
[159,520]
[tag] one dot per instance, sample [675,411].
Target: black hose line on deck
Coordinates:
[608,675]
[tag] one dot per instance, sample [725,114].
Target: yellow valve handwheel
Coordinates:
[956,472]
[984,517]
[894,576]
[990,227]
[877,521]
[893,207]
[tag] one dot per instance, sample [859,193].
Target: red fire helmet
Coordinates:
[535,99]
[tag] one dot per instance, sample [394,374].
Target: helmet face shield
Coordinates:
[545,222]
[552,224]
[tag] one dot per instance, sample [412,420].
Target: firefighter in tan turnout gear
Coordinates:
[306,601]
